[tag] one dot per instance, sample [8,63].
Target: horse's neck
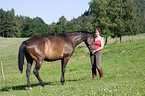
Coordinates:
[77,40]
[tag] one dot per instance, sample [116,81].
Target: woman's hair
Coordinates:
[98,30]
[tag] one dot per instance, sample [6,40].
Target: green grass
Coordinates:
[122,63]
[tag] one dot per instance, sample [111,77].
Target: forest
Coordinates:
[116,18]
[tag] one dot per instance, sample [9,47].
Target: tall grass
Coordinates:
[122,63]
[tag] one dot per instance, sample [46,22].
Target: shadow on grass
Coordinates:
[75,80]
[22,87]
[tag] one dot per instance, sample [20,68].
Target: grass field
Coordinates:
[123,65]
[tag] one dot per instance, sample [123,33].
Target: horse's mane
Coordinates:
[71,33]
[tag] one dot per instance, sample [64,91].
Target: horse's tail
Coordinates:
[21,54]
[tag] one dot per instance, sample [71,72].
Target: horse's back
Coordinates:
[49,48]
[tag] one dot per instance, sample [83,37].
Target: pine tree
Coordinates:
[9,24]
[2,22]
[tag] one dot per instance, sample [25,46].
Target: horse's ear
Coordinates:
[93,33]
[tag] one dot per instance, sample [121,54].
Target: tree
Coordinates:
[127,21]
[115,18]
[99,8]
[62,22]
[69,27]
[140,11]
[9,24]
[33,27]
[2,22]
[15,30]
[52,29]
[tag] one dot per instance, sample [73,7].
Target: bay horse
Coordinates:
[51,48]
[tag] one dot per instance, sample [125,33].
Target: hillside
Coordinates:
[122,63]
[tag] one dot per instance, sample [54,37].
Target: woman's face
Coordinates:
[97,32]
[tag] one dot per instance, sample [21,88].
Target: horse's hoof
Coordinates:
[43,86]
[30,88]
[62,83]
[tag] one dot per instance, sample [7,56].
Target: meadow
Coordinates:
[123,65]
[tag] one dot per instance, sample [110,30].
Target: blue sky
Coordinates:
[49,10]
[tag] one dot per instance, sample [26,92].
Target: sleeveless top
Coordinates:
[97,45]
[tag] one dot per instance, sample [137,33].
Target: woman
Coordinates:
[96,54]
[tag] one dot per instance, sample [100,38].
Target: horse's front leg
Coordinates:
[64,62]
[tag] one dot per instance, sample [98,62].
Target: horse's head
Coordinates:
[89,41]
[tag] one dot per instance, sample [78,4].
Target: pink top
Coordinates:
[97,45]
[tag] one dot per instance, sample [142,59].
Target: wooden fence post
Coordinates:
[2,71]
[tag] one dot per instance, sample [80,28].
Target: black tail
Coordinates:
[21,54]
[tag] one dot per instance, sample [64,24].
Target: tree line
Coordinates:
[116,18]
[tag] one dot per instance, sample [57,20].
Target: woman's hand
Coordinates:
[93,51]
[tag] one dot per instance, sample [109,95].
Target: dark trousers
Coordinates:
[96,60]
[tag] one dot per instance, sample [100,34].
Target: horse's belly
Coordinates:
[56,51]
[53,56]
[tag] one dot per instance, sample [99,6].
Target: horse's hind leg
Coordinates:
[28,71]
[36,71]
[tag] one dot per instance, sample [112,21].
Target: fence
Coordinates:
[2,70]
